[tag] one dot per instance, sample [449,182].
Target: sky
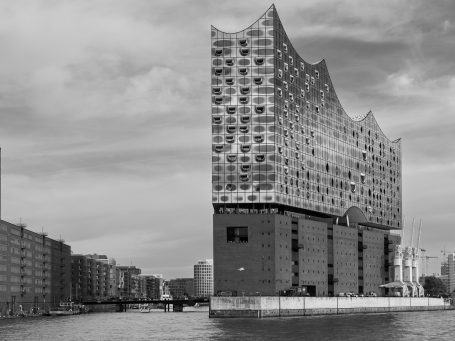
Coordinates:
[105,114]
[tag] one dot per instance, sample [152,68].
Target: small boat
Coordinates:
[144,308]
[67,308]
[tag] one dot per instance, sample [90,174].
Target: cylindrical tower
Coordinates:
[398,264]
[407,265]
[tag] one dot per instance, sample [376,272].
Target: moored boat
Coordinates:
[67,308]
[144,308]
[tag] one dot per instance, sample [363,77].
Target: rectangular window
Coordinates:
[237,234]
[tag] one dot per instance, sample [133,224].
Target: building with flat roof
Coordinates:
[127,281]
[181,287]
[93,277]
[35,270]
[154,285]
[203,278]
[304,196]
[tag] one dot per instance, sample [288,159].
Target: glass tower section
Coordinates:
[281,139]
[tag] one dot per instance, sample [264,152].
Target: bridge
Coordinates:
[177,304]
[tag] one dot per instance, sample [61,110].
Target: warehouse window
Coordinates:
[237,234]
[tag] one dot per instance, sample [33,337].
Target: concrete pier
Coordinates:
[274,306]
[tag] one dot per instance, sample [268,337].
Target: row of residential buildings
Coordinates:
[38,272]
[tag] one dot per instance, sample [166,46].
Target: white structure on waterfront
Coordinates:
[203,278]
[398,264]
[407,270]
[416,272]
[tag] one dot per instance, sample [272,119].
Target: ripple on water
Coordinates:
[197,326]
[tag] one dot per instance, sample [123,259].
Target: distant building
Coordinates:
[445,281]
[35,271]
[154,285]
[450,272]
[92,277]
[139,286]
[203,278]
[127,286]
[113,284]
[181,287]
[445,267]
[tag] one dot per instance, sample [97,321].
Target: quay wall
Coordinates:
[274,306]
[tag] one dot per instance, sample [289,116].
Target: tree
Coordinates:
[434,286]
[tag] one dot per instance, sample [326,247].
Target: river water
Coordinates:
[195,325]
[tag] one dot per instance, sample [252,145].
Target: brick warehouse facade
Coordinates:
[304,196]
[35,271]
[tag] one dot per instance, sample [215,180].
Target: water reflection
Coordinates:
[196,325]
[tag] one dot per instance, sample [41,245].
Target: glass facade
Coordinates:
[280,137]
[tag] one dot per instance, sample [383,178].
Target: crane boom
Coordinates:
[412,231]
[418,239]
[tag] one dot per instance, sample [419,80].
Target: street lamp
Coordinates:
[242,269]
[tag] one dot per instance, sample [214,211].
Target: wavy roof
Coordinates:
[320,64]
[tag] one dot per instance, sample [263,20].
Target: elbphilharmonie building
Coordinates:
[304,196]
